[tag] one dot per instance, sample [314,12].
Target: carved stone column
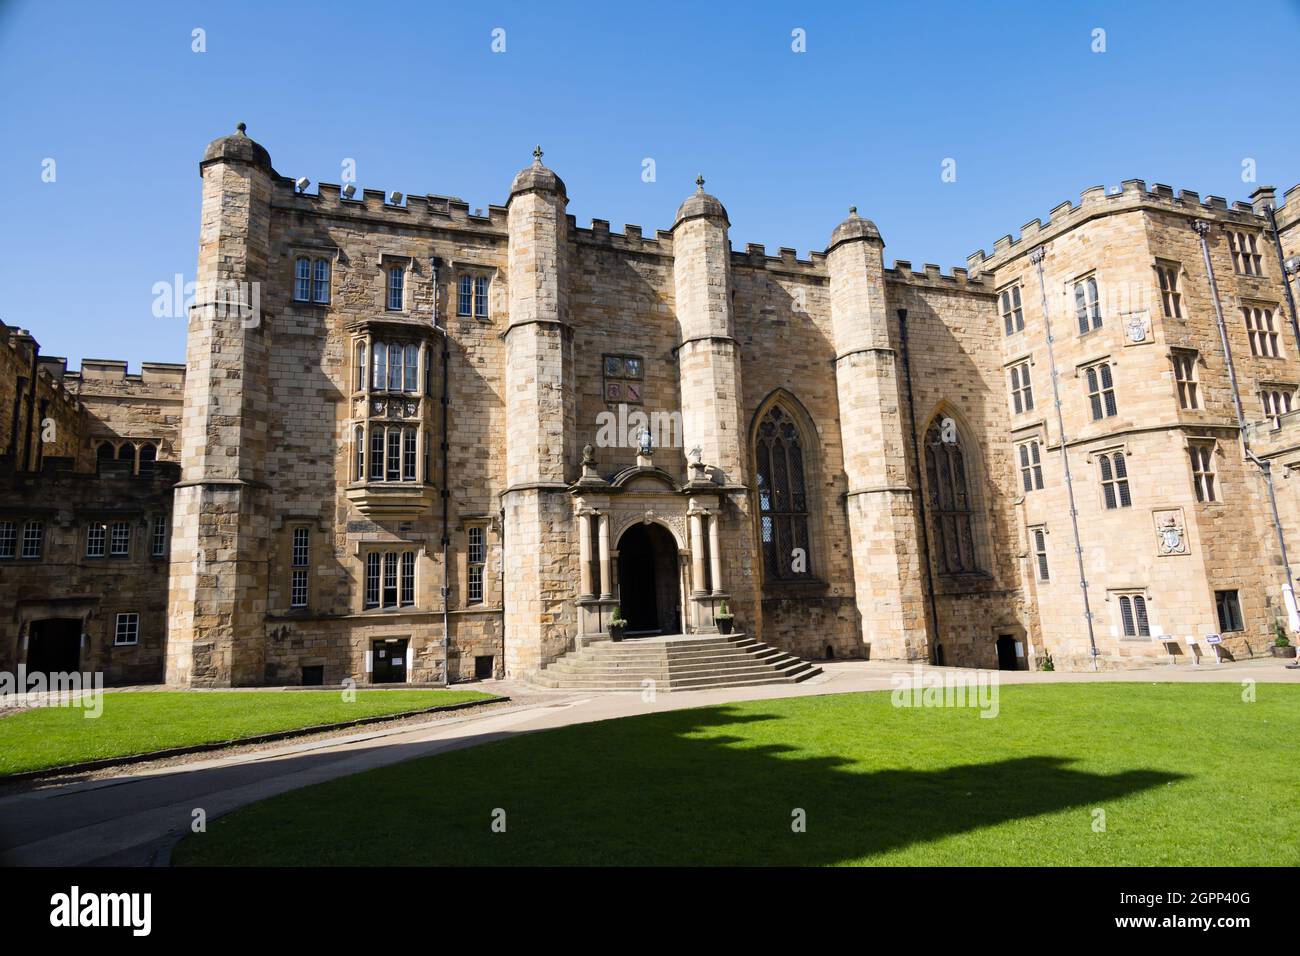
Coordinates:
[584,554]
[715,553]
[697,553]
[606,569]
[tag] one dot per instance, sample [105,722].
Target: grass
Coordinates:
[136,723]
[1185,774]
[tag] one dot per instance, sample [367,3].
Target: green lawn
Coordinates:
[1185,774]
[134,723]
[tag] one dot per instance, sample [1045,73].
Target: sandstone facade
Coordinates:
[415,451]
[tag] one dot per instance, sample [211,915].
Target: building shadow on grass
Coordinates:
[663,789]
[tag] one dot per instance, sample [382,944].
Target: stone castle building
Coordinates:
[412,438]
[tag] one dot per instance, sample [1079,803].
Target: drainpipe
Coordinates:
[1286,283]
[1202,228]
[916,465]
[1036,257]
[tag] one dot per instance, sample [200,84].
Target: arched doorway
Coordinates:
[648,580]
[54,646]
[1007,660]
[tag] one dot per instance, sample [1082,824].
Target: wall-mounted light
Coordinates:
[395,198]
[302,182]
[349,191]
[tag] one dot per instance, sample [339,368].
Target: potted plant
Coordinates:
[1045,663]
[616,624]
[1282,647]
[724,619]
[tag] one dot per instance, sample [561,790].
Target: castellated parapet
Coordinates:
[385,472]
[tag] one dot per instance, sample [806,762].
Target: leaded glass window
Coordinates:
[951,505]
[782,497]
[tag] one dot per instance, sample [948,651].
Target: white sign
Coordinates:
[1213,638]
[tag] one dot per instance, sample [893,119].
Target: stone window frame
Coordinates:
[1029,462]
[387,262]
[159,536]
[299,566]
[137,446]
[1169,275]
[1191,387]
[474,302]
[481,526]
[1134,616]
[1103,369]
[1201,453]
[375,555]
[1011,308]
[1276,394]
[1091,316]
[1102,459]
[131,620]
[976,511]
[812,441]
[1263,321]
[96,543]
[1234,594]
[27,538]
[1038,552]
[1020,384]
[314,256]
[1243,245]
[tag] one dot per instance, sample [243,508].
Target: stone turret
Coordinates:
[882,513]
[539,422]
[218,555]
[708,355]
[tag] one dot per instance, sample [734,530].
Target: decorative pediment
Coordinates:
[643,480]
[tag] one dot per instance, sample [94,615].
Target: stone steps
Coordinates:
[676,662]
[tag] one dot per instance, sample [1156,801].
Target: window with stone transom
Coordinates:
[782,497]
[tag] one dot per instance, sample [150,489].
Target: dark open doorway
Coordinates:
[647,580]
[1007,660]
[54,646]
[389,661]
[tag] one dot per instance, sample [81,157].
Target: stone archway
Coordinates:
[648,580]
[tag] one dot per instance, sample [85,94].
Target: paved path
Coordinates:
[134,817]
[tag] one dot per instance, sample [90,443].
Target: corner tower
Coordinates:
[539,424]
[708,355]
[882,513]
[217,578]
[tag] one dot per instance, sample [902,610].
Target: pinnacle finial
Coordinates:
[241,129]
[537,155]
[699,182]
[853,210]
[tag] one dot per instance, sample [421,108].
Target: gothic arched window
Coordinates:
[951,506]
[782,498]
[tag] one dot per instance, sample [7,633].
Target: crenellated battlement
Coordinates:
[1129,195]
[50,370]
[933,275]
[115,371]
[429,209]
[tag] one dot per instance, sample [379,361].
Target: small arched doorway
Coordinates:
[1007,660]
[648,580]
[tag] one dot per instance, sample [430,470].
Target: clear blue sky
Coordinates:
[413,92]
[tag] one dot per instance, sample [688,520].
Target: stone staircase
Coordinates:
[674,662]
